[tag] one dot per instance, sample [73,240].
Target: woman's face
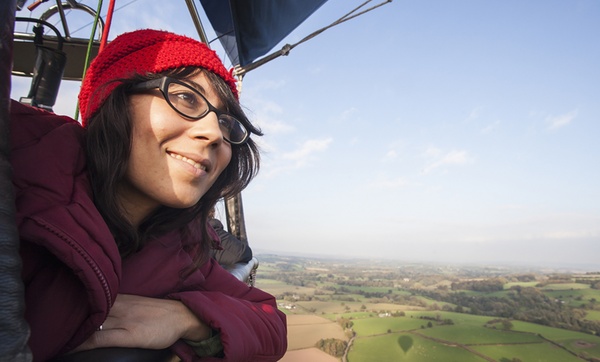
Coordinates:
[174,161]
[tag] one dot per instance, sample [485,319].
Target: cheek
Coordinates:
[225,157]
[224,160]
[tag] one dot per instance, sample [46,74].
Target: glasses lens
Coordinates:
[232,129]
[190,103]
[186,100]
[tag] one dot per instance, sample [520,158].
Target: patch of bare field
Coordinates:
[321,307]
[304,331]
[390,307]
[317,269]
[276,287]
[584,344]
[329,307]
[308,354]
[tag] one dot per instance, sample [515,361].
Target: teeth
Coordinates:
[185,159]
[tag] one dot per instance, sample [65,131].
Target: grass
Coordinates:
[520,284]
[377,326]
[406,347]
[593,315]
[575,297]
[542,352]
[555,334]
[575,341]
[524,341]
[409,339]
[565,286]
[276,287]
[468,334]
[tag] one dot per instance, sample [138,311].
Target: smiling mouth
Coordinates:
[187,160]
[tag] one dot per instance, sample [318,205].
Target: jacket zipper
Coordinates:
[85,256]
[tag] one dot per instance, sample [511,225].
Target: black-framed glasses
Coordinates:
[190,103]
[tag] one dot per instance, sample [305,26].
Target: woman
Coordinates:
[113,216]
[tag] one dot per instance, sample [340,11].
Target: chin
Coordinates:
[182,204]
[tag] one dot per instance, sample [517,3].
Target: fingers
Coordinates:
[143,322]
[102,339]
[124,338]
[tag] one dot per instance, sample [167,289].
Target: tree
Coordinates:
[332,346]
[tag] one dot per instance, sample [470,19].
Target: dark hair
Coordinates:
[108,148]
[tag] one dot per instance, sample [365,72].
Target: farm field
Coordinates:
[423,315]
[309,329]
[542,352]
[407,347]
[593,315]
[309,354]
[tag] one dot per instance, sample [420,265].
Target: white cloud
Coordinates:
[296,159]
[490,127]
[303,154]
[389,183]
[267,115]
[475,113]
[315,70]
[455,157]
[348,113]
[432,151]
[272,125]
[556,122]
[267,84]
[390,155]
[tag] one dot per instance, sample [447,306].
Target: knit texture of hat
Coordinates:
[142,52]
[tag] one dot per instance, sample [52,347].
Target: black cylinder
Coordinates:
[47,75]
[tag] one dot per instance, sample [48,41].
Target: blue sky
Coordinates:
[446,131]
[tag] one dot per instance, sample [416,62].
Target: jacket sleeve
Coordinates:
[55,302]
[250,325]
[233,250]
[70,279]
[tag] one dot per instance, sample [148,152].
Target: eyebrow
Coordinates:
[222,106]
[195,85]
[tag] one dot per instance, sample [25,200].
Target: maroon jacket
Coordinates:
[72,270]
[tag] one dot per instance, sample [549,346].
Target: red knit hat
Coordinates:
[141,52]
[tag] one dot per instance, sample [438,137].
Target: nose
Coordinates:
[207,128]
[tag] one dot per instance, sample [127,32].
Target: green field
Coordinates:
[574,341]
[377,339]
[575,297]
[565,286]
[593,315]
[406,347]
[520,284]
[377,326]
[469,334]
[542,352]
[428,328]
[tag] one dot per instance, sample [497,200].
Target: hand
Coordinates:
[143,322]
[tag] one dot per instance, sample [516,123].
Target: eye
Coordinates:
[185,99]
[225,122]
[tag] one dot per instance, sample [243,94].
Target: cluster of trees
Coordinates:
[343,282]
[332,346]
[522,303]
[505,324]
[593,283]
[525,277]
[345,323]
[486,285]
[438,319]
